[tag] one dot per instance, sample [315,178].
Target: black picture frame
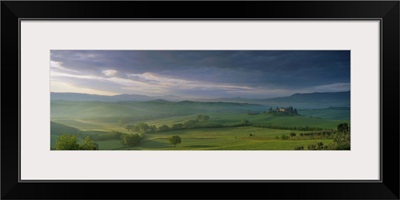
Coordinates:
[386,11]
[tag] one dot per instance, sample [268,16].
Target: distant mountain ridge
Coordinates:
[313,100]
[298,100]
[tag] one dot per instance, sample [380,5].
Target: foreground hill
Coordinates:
[221,131]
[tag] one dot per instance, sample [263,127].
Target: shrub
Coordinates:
[299,148]
[88,144]
[67,142]
[284,137]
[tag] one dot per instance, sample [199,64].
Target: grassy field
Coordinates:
[226,118]
[342,113]
[114,124]
[221,139]
[236,138]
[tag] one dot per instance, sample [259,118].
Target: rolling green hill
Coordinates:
[58,129]
[223,130]
[145,110]
[336,113]
[314,100]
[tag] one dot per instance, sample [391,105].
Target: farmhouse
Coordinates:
[281,110]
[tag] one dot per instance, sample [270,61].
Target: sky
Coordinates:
[193,74]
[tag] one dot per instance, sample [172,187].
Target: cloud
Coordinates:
[176,83]
[58,66]
[334,87]
[117,80]
[110,72]
[66,87]
[204,73]
[77,76]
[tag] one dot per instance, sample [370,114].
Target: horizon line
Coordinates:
[192,97]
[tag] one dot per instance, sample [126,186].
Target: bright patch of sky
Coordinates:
[199,74]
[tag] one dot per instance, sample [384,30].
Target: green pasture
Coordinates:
[97,118]
[236,138]
[226,138]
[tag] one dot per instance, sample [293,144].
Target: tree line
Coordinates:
[341,140]
[144,128]
[305,128]
[70,142]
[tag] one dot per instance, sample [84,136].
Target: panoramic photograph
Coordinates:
[297,100]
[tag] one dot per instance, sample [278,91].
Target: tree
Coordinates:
[245,122]
[341,141]
[142,128]
[205,117]
[312,147]
[130,139]
[67,142]
[177,126]
[174,140]
[190,123]
[343,127]
[320,145]
[199,117]
[88,144]
[130,127]
[152,128]
[290,110]
[163,128]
